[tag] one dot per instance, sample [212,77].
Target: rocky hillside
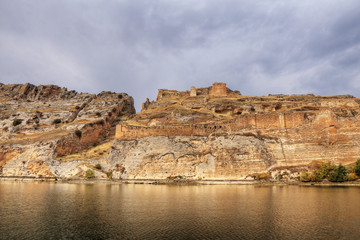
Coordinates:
[211,133]
[41,125]
[215,133]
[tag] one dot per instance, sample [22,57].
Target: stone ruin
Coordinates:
[192,91]
[218,90]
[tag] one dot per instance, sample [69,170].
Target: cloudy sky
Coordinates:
[139,46]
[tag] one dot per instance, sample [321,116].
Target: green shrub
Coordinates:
[352,177]
[315,177]
[327,169]
[304,177]
[357,168]
[338,175]
[109,175]
[17,122]
[89,174]
[261,176]
[98,166]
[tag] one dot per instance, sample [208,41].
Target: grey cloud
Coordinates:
[257,47]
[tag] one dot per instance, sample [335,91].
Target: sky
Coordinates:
[139,46]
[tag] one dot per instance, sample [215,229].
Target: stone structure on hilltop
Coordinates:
[193,92]
[218,90]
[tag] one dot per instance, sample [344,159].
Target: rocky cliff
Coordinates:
[42,125]
[211,133]
[215,133]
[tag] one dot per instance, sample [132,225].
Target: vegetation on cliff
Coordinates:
[320,171]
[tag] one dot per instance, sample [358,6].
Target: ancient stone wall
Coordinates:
[218,90]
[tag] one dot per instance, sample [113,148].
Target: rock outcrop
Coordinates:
[41,125]
[218,134]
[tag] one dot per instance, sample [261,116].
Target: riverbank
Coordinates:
[177,182]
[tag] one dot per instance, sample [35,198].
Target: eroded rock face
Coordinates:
[40,124]
[223,157]
[232,137]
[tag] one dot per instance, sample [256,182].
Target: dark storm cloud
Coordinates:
[257,47]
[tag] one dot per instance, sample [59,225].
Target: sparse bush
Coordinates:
[6,129]
[17,122]
[315,165]
[57,121]
[315,177]
[357,168]
[326,169]
[98,114]
[120,168]
[78,133]
[261,176]
[98,166]
[109,175]
[338,175]
[352,177]
[89,174]
[264,176]
[304,177]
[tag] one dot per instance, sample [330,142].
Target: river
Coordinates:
[135,211]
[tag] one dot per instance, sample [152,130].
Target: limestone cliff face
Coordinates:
[229,136]
[210,133]
[40,125]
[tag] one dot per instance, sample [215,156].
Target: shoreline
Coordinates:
[177,182]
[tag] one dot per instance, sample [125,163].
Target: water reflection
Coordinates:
[106,211]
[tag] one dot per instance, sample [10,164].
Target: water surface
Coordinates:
[132,211]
